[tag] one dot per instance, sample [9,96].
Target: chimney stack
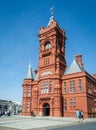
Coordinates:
[79,59]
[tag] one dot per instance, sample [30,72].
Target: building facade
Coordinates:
[56,89]
[10,106]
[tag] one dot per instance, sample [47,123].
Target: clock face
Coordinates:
[47,45]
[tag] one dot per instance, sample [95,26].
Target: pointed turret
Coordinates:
[29,73]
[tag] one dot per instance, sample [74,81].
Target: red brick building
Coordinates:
[56,89]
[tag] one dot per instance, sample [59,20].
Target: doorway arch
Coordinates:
[46,109]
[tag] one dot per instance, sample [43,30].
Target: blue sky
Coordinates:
[20,21]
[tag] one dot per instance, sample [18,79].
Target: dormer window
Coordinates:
[47,45]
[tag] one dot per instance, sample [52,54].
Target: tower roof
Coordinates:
[29,73]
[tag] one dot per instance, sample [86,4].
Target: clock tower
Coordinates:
[52,65]
[52,49]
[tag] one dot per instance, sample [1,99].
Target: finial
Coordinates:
[52,16]
[52,10]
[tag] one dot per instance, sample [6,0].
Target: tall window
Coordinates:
[72,86]
[24,92]
[64,87]
[79,85]
[65,105]
[50,85]
[29,91]
[46,61]
[44,87]
[72,102]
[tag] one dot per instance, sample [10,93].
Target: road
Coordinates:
[81,126]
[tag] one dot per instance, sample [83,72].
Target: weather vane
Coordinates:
[52,10]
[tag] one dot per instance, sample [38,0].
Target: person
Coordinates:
[14,112]
[32,113]
[82,115]
[5,113]
[77,113]
[9,113]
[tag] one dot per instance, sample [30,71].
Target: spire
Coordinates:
[52,15]
[29,73]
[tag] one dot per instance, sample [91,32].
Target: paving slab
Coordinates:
[35,123]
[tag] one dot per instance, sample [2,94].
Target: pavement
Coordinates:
[38,123]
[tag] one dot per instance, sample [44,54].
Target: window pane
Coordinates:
[79,85]
[50,86]
[64,87]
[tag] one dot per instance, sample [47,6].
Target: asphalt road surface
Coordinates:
[81,126]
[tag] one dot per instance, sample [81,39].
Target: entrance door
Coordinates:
[46,109]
